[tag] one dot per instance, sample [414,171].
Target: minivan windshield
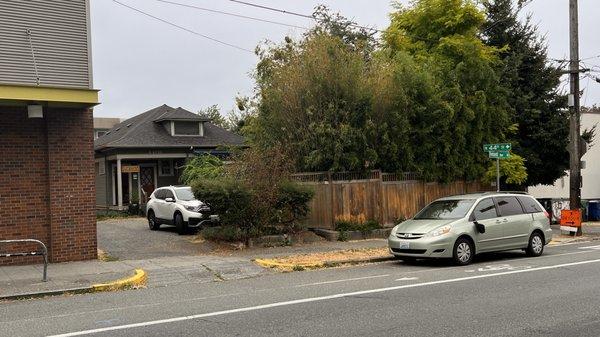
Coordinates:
[445,209]
[185,194]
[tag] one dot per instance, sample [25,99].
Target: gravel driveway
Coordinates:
[131,239]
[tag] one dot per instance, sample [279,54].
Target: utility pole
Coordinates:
[574,122]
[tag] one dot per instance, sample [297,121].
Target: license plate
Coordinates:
[404,245]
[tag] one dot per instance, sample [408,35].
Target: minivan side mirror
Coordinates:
[480,227]
[170,200]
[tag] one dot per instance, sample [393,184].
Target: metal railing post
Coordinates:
[44,253]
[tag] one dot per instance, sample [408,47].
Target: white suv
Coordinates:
[176,205]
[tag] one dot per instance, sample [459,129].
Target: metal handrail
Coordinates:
[44,253]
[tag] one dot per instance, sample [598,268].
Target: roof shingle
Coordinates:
[146,131]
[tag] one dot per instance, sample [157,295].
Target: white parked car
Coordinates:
[177,206]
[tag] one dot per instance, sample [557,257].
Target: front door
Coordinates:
[147,184]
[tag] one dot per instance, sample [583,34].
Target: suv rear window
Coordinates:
[530,205]
[508,206]
[160,194]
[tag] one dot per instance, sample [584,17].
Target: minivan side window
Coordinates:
[530,205]
[508,206]
[485,209]
[169,194]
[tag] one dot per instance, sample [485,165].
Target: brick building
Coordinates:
[47,187]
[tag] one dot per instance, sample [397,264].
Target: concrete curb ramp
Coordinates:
[273,263]
[138,279]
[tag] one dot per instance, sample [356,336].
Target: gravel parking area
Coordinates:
[131,239]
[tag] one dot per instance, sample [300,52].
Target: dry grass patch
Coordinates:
[323,259]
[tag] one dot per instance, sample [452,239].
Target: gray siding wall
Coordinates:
[103,188]
[60,39]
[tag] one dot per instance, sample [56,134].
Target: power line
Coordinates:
[232,14]
[273,9]
[183,28]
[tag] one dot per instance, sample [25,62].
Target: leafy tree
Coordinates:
[512,171]
[540,112]
[214,114]
[202,167]
[442,36]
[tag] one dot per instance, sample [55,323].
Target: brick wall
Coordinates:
[47,183]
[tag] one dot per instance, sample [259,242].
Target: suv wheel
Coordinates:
[180,224]
[536,245]
[152,223]
[463,252]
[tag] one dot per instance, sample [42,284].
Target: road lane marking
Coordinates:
[407,279]
[497,267]
[591,247]
[315,299]
[342,280]
[88,312]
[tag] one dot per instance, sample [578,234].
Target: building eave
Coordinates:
[11,94]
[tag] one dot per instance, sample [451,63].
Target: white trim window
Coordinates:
[165,167]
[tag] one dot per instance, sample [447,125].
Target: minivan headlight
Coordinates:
[192,208]
[439,231]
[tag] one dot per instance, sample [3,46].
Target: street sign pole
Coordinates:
[497,174]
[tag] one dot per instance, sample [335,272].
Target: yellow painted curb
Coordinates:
[137,280]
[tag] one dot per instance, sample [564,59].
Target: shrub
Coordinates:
[228,198]
[355,223]
[292,205]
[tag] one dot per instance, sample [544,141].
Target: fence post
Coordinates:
[331,190]
[381,197]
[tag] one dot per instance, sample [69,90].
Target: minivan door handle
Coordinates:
[505,220]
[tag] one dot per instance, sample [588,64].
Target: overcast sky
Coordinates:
[140,62]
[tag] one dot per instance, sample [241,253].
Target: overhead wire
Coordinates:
[283,11]
[232,14]
[183,28]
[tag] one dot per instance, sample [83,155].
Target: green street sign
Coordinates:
[499,154]
[497,147]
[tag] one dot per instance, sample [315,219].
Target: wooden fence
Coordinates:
[381,196]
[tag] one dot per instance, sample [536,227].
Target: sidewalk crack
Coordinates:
[214,272]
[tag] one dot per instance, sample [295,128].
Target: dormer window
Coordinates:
[181,128]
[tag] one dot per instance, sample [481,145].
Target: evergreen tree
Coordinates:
[540,113]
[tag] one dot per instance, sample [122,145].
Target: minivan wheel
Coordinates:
[180,224]
[152,223]
[463,252]
[536,245]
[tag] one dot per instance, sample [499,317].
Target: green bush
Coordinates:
[292,204]
[228,198]
[241,207]
[349,225]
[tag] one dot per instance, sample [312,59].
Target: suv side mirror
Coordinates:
[170,200]
[480,227]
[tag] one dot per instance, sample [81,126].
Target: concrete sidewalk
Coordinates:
[18,280]
[161,271]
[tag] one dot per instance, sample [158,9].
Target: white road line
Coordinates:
[407,279]
[315,299]
[342,280]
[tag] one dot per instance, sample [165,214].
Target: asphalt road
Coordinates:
[504,294]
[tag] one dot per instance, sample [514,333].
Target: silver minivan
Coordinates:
[458,227]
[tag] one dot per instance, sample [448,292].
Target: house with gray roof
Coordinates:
[150,150]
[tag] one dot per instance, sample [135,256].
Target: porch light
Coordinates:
[35,111]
